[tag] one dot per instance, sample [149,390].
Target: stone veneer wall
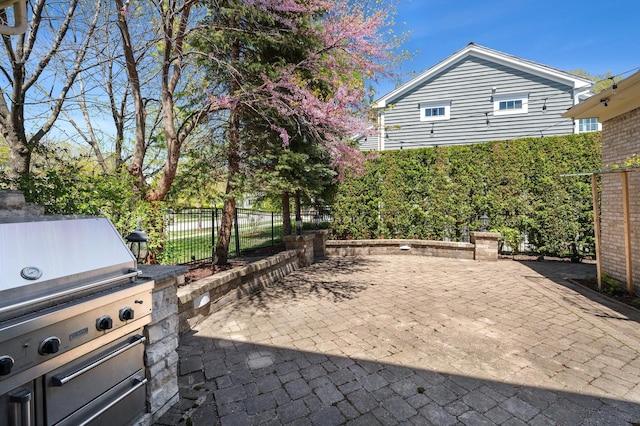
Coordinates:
[161,358]
[485,247]
[304,245]
[199,299]
[620,141]
[403,247]
[12,205]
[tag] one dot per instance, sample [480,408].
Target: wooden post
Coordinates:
[596,227]
[627,231]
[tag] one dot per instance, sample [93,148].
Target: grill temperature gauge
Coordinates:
[31,273]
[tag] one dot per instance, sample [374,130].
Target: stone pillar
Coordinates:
[319,242]
[12,204]
[486,245]
[304,245]
[161,358]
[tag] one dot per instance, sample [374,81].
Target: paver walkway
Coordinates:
[385,340]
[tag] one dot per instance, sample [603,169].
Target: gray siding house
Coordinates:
[477,95]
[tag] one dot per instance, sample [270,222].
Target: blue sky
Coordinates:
[596,36]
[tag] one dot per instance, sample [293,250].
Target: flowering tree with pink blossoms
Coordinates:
[297,69]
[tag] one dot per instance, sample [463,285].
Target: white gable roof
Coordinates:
[476,50]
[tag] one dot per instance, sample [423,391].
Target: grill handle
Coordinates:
[134,273]
[140,381]
[60,380]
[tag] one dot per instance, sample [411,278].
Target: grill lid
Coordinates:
[46,257]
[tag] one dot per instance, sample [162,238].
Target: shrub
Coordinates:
[438,193]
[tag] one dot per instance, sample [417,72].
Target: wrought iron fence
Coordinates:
[191,234]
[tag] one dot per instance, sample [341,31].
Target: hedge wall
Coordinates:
[440,193]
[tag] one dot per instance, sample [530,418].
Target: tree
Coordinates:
[163,56]
[43,61]
[601,81]
[318,89]
[101,94]
[302,170]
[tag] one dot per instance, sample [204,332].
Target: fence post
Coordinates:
[237,232]
[273,231]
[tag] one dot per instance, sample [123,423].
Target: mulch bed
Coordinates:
[620,296]
[200,270]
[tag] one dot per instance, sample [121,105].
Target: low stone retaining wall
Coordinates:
[403,247]
[199,299]
[483,246]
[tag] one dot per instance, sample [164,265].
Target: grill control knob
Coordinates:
[104,323]
[126,314]
[6,364]
[48,346]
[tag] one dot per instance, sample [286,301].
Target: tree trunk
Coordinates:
[226,227]
[140,148]
[174,37]
[233,159]
[20,161]
[286,214]
[229,208]
[298,213]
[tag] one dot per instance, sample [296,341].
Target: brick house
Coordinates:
[618,109]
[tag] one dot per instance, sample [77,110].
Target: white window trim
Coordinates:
[522,96]
[599,127]
[436,104]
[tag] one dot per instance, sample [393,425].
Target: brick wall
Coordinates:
[620,140]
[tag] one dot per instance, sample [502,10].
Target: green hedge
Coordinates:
[440,193]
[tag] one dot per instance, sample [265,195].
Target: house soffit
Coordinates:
[491,55]
[609,103]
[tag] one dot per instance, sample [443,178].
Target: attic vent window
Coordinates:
[505,105]
[511,103]
[433,111]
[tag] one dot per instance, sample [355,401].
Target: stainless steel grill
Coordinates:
[71,317]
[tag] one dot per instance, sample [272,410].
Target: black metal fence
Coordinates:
[191,234]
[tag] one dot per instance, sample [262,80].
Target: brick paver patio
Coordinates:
[385,340]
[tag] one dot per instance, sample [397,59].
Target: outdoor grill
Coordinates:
[71,316]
